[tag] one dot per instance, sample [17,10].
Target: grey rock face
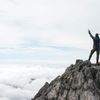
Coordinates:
[80,81]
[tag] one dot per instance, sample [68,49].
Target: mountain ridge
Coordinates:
[80,81]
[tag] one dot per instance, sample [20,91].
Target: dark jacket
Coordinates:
[96,41]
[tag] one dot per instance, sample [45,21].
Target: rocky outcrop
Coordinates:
[80,81]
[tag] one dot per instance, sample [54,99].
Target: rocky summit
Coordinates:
[80,81]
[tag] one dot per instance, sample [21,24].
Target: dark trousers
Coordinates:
[97,54]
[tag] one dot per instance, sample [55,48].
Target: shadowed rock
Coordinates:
[80,81]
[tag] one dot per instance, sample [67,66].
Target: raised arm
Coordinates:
[90,34]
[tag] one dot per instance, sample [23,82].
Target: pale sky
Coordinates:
[47,30]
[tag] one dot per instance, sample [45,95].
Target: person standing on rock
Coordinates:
[96,46]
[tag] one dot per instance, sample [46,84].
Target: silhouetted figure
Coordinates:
[96,46]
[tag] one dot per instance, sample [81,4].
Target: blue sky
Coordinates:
[47,30]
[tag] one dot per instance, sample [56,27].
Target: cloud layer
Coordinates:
[21,82]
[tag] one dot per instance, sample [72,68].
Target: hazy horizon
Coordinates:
[47,30]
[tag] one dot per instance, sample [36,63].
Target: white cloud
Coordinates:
[16,80]
[4,98]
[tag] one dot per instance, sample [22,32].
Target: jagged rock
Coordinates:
[80,81]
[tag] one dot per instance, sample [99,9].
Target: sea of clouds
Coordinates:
[22,81]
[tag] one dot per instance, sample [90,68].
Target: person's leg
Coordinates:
[97,56]
[91,53]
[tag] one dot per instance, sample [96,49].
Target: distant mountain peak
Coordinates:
[80,81]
